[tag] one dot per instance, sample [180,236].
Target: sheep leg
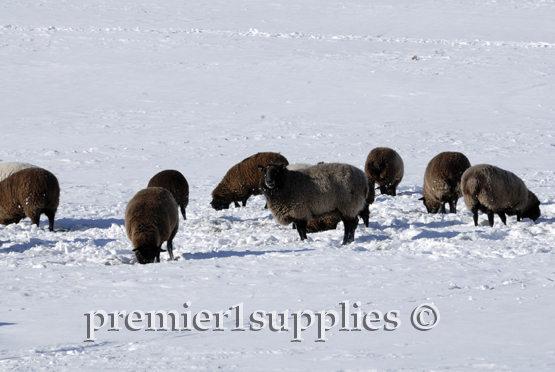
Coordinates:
[442,209]
[301,228]
[453,206]
[235,202]
[394,191]
[35,219]
[244,202]
[350,227]
[503,217]
[517,216]
[490,218]
[50,215]
[475,216]
[182,206]
[365,215]
[169,244]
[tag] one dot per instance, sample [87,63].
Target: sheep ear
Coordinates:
[161,250]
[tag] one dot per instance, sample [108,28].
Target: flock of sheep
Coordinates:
[311,197]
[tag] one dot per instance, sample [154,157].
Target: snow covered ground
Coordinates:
[105,94]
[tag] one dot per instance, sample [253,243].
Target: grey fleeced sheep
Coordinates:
[151,218]
[176,184]
[490,189]
[324,190]
[9,168]
[330,223]
[385,167]
[29,193]
[442,181]
[243,180]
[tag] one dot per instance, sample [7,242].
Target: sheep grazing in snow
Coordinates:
[29,193]
[385,167]
[9,168]
[324,190]
[176,184]
[151,218]
[243,180]
[493,190]
[442,181]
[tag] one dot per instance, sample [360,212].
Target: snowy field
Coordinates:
[105,94]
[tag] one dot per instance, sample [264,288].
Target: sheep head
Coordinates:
[533,207]
[430,207]
[271,175]
[219,203]
[147,253]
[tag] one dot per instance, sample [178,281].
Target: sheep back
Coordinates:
[384,167]
[29,192]
[442,180]
[242,180]
[9,168]
[491,189]
[176,184]
[151,218]
[298,166]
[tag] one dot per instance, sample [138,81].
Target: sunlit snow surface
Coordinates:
[106,94]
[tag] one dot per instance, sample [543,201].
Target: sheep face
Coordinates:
[430,207]
[533,212]
[271,175]
[388,189]
[147,254]
[218,203]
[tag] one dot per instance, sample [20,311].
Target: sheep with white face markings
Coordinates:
[442,181]
[490,189]
[324,190]
[176,184]
[29,193]
[385,167]
[9,168]
[151,218]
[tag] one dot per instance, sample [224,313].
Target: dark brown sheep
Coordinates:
[385,167]
[29,193]
[151,218]
[442,181]
[490,189]
[176,184]
[243,180]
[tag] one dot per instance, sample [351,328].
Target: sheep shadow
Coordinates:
[438,224]
[72,224]
[426,234]
[22,247]
[228,254]
[6,324]
[370,238]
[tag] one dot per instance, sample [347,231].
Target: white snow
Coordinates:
[106,94]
